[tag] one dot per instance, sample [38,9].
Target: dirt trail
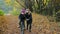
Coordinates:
[40,25]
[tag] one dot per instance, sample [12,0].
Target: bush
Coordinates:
[1,13]
[15,13]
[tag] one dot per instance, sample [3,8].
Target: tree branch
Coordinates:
[20,3]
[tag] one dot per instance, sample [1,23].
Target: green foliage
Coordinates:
[15,13]
[1,13]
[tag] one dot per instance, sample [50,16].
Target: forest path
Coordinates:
[41,25]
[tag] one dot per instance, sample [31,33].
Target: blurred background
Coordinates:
[45,7]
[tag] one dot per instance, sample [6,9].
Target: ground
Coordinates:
[41,25]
